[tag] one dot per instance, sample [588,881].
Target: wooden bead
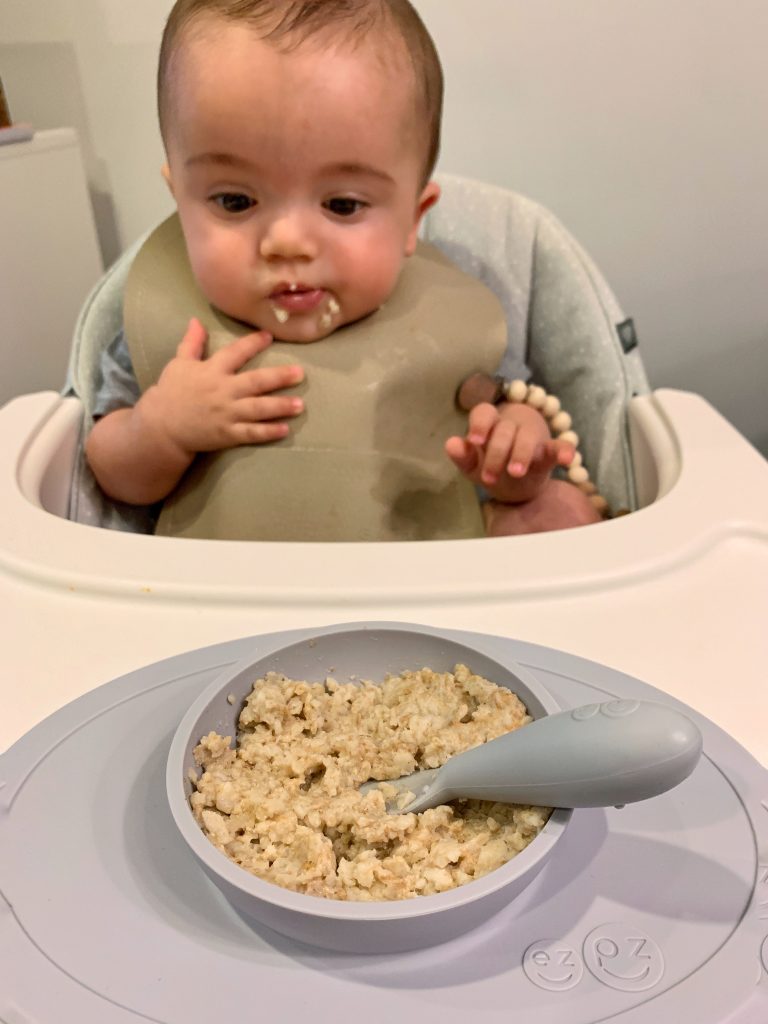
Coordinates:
[551,406]
[587,488]
[517,391]
[536,397]
[571,436]
[578,475]
[599,502]
[561,422]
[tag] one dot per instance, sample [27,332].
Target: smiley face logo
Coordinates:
[623,958]
[553,965]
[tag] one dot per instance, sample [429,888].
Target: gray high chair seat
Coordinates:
[562,318]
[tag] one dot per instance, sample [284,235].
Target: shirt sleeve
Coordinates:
[513,365]
[116,384]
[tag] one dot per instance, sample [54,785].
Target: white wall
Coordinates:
[641,123]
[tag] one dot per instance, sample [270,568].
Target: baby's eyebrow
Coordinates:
[223,159]
[353,168]
[344,168]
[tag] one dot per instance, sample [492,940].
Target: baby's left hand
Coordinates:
[508,450]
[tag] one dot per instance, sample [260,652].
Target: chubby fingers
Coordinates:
[506,450]
[526,448]
[482,419]
[237,353]
[192,345]
[259,431]
[463,454]
[266,379]
[267,407]
[561,452]
[259,413]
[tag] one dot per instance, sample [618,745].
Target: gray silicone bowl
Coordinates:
[370,652]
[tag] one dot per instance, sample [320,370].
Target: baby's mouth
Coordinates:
[297,298]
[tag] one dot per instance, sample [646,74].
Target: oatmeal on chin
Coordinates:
[285,803]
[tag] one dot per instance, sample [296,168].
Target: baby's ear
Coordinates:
[428,197]
[166,173]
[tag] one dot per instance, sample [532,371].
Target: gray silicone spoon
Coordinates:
[598,755]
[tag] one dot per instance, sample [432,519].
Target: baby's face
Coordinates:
[297,178]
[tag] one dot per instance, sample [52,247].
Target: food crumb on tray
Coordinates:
[285,803]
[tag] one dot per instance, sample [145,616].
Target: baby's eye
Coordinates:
[343,206]
[233,202]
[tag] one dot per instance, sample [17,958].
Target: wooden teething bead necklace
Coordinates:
[481,388]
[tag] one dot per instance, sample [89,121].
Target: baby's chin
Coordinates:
[301,334]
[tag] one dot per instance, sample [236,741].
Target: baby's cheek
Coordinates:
[216,279]
[377,281]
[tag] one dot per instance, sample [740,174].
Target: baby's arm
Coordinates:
[139,454]
[509,451]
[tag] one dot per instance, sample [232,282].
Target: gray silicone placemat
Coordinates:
[653,913]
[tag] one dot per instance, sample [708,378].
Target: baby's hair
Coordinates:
[288,23]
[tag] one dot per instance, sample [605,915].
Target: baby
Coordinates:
[300,139]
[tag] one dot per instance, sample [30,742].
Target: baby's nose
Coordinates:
[288,236]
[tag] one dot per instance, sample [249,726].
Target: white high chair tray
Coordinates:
[650,914]
[675,594]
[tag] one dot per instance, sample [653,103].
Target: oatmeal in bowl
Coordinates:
[265,769]
[285,802]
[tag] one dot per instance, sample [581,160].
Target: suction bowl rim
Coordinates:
[218,866]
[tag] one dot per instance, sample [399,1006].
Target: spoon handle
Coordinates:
[597,755]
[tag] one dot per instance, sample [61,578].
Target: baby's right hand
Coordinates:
[206,404]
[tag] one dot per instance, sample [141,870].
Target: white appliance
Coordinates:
[49,258]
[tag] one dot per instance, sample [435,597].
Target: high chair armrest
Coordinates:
[655,453]
[50,425]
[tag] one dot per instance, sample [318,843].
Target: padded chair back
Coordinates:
[561,315]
